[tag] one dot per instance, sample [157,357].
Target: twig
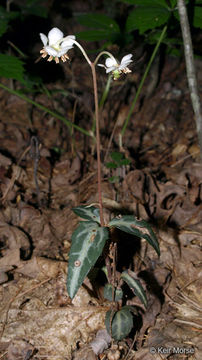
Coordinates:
[33,287]
[191,72]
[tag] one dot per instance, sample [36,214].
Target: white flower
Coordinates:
[111,65]
[55,45]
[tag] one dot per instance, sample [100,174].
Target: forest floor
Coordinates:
[46,170]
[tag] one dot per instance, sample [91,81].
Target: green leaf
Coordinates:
[96,35]
[121,324]
[140,228]
[111,165]
[146,18]
[11,67]
[135,285]
[103,27]
[108,292]
[153,37]
[88,241]
[99,21]
[88,213]
[125,162]
[119,159]
[116,156]
[198,17]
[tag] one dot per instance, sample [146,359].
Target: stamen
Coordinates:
[126,71]
[65,57]
[50,58]
[44,53]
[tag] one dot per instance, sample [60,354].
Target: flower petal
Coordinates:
[51,51]
[112,68]
[102,65]
[62,51]
[125,61]
[110,62]
[67,44]
[127,58]
[69,38]
[44,39]
[54,36]
[123,66]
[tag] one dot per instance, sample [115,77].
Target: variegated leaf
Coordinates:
[140,228]
[88,241]
[88,213]
[119,324]
[108,293]
[135,285]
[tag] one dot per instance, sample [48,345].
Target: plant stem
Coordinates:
[103,98]
[98,143]
[83,51]
[57,116]
[142,81]
[191,73]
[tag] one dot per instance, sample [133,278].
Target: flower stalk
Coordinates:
[98,143]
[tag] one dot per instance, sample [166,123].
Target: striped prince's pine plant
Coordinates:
[88,242]
[93,238]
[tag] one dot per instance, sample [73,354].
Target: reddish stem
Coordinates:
[98,144]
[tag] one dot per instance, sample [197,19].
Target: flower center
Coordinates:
[57,44]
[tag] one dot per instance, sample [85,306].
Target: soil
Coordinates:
[46,170]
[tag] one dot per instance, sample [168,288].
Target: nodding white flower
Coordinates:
[56,45]
[111,65]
